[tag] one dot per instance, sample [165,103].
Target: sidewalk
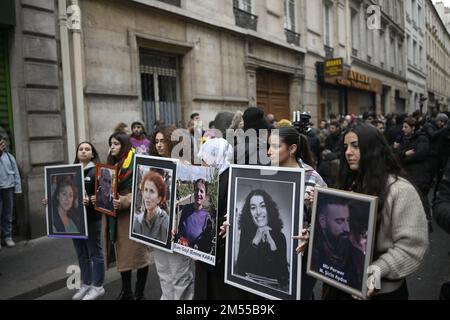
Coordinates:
[35,267]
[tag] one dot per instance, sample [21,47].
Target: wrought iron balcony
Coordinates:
[245,19]
[172,2]
[292,37]
[329,52]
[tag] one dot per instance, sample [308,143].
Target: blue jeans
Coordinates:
[90,255]
[6,212]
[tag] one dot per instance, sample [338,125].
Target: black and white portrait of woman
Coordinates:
[266,211]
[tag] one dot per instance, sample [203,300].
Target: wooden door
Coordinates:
[273,93]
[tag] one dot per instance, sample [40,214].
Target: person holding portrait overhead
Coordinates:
[65,217]
[334,251]
[154,221]
[104,190]
[196,227]
[262,245]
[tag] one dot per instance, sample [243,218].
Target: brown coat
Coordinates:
[130,255]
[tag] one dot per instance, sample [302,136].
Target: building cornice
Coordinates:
[190,16]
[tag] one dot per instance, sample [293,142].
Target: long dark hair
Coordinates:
[291,136]
[246,224]
[377,162]
[125,147]
[95,158]
[166,131]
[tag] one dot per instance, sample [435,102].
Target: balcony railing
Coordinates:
[245,19]
[329,51]
[172,2]
[292,37]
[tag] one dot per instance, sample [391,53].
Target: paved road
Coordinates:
[423,285]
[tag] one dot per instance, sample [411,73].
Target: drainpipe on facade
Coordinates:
[67,80]
[348,19]
[74,9]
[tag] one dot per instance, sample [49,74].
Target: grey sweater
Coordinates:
[402,237]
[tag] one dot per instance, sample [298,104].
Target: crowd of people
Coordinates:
[398,158]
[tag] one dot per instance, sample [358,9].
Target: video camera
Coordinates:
[302,122]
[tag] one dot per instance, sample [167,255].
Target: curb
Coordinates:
[41,291]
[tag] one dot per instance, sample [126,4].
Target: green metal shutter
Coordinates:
[6,120]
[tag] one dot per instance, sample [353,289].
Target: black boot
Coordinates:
[126,293]
[123,295]
[140,283]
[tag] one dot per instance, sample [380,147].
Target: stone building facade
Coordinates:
[438,59]
[416,59]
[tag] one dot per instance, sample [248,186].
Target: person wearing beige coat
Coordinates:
[129,255]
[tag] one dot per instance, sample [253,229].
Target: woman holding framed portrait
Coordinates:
[288,148]
[89,251]
[175,271]
[209,280]
[130,255]
[369,166]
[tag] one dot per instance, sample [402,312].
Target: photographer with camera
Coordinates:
[304,126]
[9,184]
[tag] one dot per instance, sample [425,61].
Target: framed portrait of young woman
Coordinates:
[64,191]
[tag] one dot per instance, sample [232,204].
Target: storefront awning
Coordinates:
[7,13]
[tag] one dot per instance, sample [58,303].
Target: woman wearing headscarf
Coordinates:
[209,283]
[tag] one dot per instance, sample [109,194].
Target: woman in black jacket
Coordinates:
[89,251]
[413,151]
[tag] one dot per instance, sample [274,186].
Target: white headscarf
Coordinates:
[216,152]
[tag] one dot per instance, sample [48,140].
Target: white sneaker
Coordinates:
[81,293]
[94,293]
[10,243]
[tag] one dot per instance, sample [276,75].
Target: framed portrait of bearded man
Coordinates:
[342,239]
